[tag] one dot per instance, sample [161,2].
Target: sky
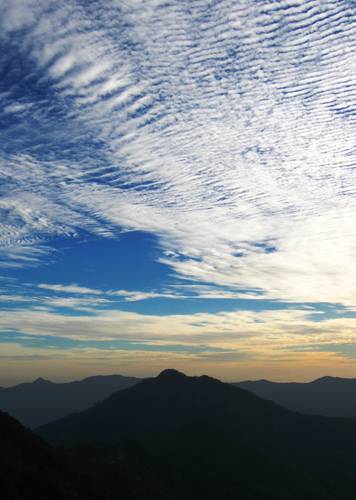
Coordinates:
[177,188]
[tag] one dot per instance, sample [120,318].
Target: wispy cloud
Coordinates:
[14,298]
[78,304]
[127,295]
[132,296]
[70,289]
[17,107]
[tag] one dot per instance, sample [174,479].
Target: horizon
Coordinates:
[154,375]
[178,188]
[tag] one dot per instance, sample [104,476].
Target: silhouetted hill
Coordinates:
[214,440]
[30,469]
[42,401]
[328,396]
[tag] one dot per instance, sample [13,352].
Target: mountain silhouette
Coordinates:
[219,440]
[32,469]
[328,396]
[29,468]
[42,401]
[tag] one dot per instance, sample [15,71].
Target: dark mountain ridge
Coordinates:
[327,396]
[39,402]
[43,401]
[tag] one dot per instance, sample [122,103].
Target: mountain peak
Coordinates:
[325,379]
[171,374]
[41,380]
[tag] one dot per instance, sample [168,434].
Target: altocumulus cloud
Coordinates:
[224,128]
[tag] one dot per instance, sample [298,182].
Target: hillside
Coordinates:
[328,396]
[29,468]
[42,401]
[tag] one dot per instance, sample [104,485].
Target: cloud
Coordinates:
[133,296]
[127,295]
[232,345]
[78,304]
[224,129]
[215,292]
[70,289]
[17,108]
[259,333]
[14,298]
[347,350]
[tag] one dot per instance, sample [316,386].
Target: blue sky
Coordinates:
[177,188]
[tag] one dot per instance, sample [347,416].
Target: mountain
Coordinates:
[42,401]
[32,469]
[29,468]
[214,440]
[328,396]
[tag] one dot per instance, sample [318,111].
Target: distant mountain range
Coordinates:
[205,439]
[42,401]
[328,396]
